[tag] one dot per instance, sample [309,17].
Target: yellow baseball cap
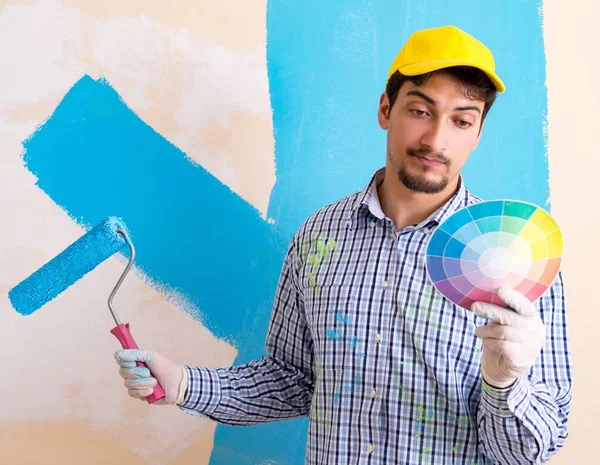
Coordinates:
[432,49]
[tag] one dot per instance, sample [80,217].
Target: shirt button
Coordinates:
[384,284]
[373,224]
[370,448]
[378,338]
[373,394]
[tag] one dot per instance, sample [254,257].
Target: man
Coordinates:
[388,370]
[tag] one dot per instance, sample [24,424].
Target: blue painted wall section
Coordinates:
[327,67]
[328,62]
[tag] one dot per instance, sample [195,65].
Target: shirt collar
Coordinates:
[368,199]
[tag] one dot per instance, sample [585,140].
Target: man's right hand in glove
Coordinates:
[140,381]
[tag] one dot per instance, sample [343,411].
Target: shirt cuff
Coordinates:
[203,391]
[507,402]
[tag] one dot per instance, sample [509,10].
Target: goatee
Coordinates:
[419,183]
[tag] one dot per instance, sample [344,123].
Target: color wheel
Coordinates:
[494,244]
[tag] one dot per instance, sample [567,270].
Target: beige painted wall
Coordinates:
[174,63]
[571,41]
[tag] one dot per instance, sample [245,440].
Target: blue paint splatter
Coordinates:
[334,334]
[341,318]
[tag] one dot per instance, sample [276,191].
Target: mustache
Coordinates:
[426,153]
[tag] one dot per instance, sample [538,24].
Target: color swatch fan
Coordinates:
[489,245]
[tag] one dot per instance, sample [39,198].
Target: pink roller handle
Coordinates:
[123,334]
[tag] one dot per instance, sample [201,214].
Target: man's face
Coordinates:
[431,130]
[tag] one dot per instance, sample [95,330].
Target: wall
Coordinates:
[570,41]
[214,129]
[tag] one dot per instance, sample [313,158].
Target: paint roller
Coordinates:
[81,257]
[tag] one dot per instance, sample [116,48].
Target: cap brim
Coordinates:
[426,67]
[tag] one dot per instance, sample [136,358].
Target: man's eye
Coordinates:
[418,112]
[463,124]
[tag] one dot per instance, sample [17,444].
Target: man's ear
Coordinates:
[383,113]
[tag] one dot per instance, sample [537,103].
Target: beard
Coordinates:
[417,182]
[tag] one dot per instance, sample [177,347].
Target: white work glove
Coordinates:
[512,340]
[140,381]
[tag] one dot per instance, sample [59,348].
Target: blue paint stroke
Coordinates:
[95,158]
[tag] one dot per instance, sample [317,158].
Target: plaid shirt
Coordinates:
[387,369]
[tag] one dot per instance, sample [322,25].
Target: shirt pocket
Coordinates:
[328,309]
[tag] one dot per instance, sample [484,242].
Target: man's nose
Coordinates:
[434,138]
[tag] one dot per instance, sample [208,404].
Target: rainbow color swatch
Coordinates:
[495,244]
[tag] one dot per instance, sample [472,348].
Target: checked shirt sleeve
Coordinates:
[277,387]
[527,422]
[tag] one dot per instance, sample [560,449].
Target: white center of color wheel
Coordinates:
[496,263]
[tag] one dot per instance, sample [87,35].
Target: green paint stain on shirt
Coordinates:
[322,249]
[314,261]
[315,251]
[425,452]
[488,388]
[332,245]
[313,281]
[318,368]
[457,446]
[421,410]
